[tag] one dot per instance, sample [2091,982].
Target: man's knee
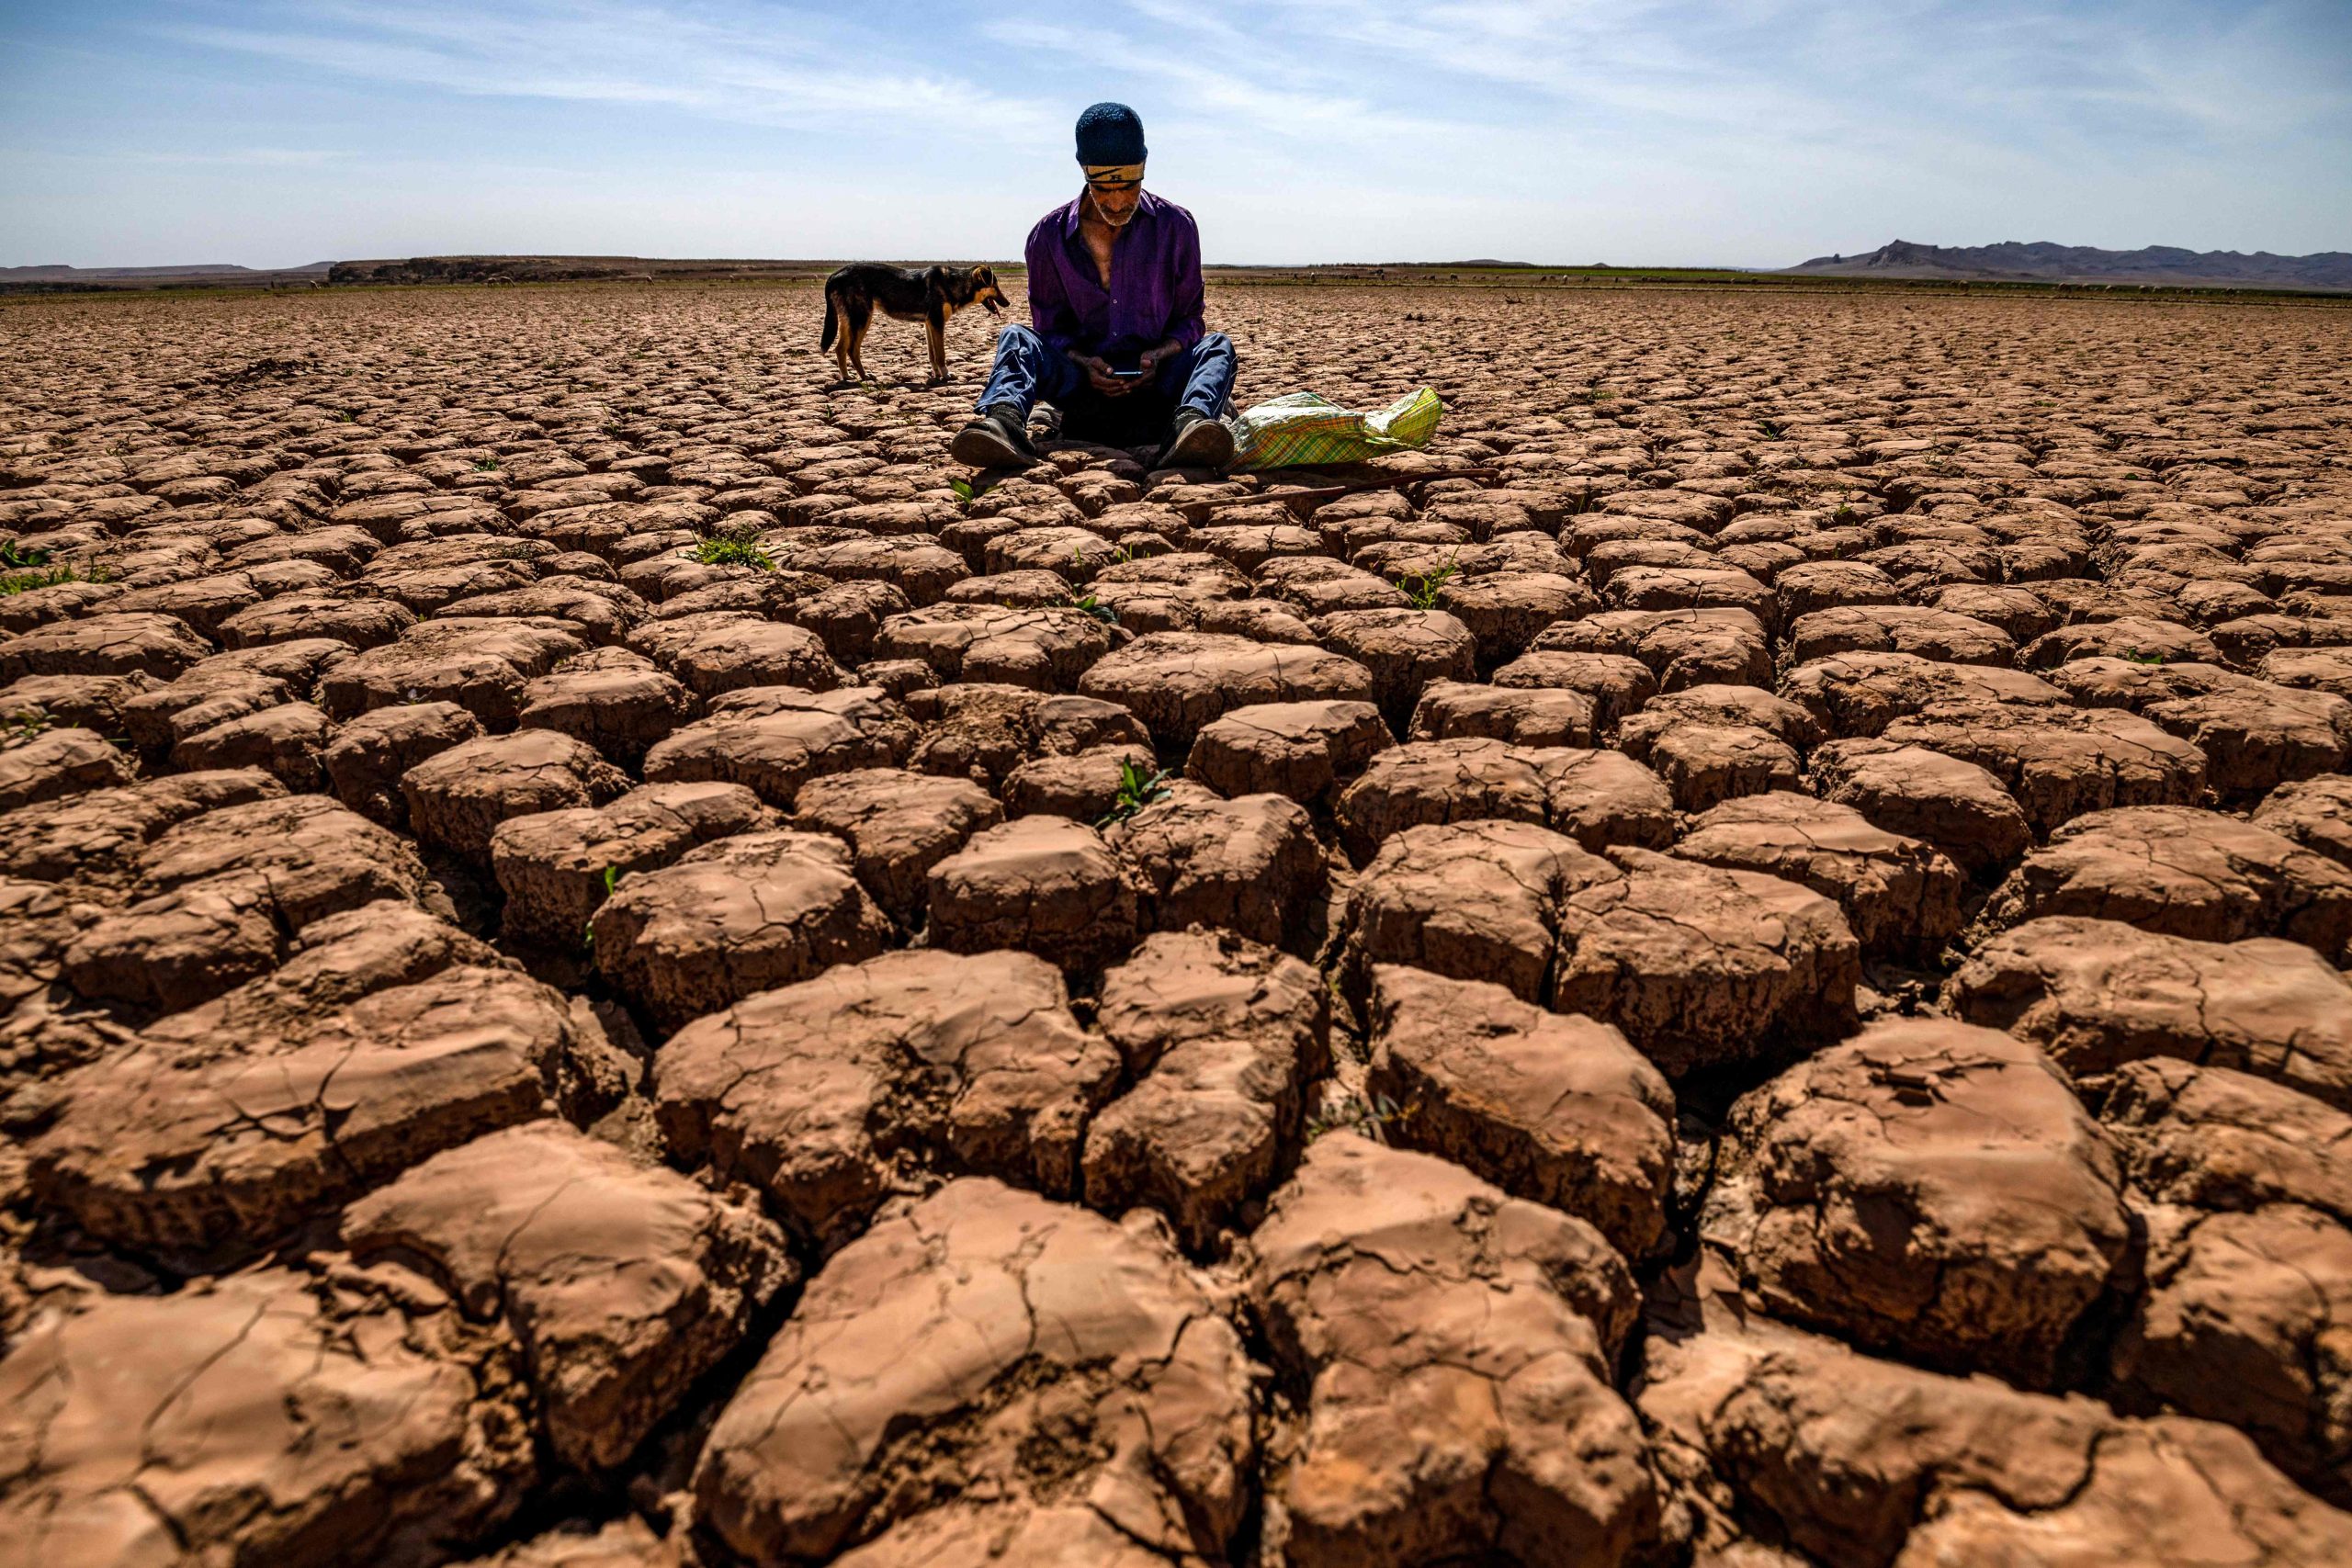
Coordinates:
[1018,339]
[1214,352]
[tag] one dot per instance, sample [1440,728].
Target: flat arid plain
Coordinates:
[1741,962]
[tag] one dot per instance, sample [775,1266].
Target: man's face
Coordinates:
[1114,199]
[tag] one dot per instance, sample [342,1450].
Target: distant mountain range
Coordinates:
[58,278]
[2042,262]
[198,269]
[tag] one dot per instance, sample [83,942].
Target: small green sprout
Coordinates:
[1421,589]
[47,576]
[1137,789]
[613,875]
[22,725]
[733,547]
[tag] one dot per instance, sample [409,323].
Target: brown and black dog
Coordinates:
[925,294]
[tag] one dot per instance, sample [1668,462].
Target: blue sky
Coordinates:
[1747,132]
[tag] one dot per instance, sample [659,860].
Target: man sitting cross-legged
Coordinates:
[1118,344]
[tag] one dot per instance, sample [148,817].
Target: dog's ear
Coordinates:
[983,277]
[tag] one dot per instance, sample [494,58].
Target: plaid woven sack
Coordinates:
[1300,428]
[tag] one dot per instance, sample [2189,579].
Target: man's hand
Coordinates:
[1158,355]
[1098,376]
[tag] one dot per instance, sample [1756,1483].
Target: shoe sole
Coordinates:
[1206,445]
[984,446]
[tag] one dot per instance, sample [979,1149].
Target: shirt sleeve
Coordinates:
[1049,307]
[1184,323]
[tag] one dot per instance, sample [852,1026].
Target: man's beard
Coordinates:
[1113,222]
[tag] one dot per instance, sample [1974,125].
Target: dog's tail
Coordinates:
[832,323]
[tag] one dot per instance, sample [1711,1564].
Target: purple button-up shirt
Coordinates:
[1155,291]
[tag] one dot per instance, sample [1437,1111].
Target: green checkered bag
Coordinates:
[1303,428]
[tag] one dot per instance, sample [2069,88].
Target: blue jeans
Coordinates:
[1028,373]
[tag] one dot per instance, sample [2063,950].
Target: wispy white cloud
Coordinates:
[1227,94]
[627,55]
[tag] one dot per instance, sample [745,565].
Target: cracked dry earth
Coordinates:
[1757,979]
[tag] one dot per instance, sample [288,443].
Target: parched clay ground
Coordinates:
[1758,980]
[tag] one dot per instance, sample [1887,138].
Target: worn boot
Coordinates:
[1196,441]
[995,440]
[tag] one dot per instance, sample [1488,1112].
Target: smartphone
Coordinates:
[1126,375]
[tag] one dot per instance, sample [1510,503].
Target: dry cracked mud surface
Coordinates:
[1743,963]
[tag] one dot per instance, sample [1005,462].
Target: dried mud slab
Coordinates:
[1596,798]
[1223,1036]
[2255,736]
[2098,994]
[1451,1350]
[96,839]
[729,650]
[772,739]
[1041,884]
[1177,682]
[216,899]
[2316,814]
[161,646]
[483,665]
[1308,751]
[2183,873]
[1250,864]
[622,1284]
[218,1143]
[611,700]
[898,825]
[555,867]
[741,914]
[1960,808]
[1694,647]
[60,762]
[832,1094]
[2060,763]
[268,1417]
[1472,900]
[1701,966]
[369,756]
[1901,897]
[1557,1109]
[1926,1188]
[2250,1265]
[1045,650]
[1078,1365]
[1856,695]
[986,733]
[1450,710]
[1852,1460]
[457,798]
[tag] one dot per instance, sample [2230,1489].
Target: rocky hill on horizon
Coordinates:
[2043,262]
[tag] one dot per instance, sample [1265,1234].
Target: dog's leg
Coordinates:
[857,341]
[937,332]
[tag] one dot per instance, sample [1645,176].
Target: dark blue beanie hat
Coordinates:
[1110,134]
